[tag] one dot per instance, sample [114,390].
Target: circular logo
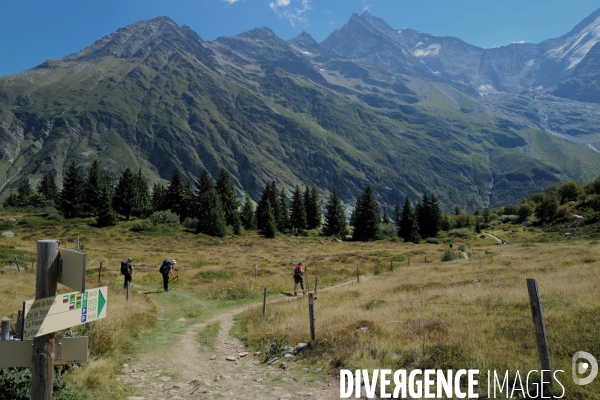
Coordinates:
[582,367]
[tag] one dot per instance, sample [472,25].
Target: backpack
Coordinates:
[298,271]
[165,267]
[124,267]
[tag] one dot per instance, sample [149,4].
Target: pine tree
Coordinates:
[366,217]
[397,215]
[298,213]
[174,198]
[72,196]
[24,193]
[159,197]
[106,214]
[125,194]
[269,229]
[409,228]
[435,217]
[385,218]
[48,189]
[188,202]
[269,196]
[312,203]
[335,220]
[229,201]
[142,205]
[211,218]
[247,215]
[92,189]
[283,223]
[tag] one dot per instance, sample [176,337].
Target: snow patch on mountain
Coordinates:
[431,50]
[576,47]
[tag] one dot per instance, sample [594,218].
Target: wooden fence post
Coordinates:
[357,275]
[316,283]
[265,302]
[100,272]
[409,261]
[538,321]
[42,374]
[391,266]
[311,315]
[255,271]
[17,262]
[5,329]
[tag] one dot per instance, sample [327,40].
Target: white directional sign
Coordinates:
[73,269]
[52,314]
[69,350]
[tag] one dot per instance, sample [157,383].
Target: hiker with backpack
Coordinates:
[127,271]
[165,269]
[299,277]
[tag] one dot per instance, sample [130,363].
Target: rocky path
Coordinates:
[190,370]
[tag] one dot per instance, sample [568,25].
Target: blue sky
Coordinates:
[32,31]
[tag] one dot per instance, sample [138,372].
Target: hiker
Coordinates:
[450,244]
[126,271]
[299,277]
[165,269]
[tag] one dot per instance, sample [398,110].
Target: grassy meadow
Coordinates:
[472,312]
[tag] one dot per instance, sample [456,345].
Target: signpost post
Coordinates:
[49,313]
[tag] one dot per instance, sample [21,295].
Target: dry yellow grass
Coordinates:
[426,314]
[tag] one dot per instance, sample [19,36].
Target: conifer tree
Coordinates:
[93,189]
[48,189]
[269,196]
[211,218]
[159,197]
[229,201]
[409,228]
[385,218]
[283,223]
[174,198]
[247,215]
[312,203]
[366,217]
[397,215]
[298,213]
[106,214]
[188,202]
[335,220]
[125,194]
[269,229]
[72,197]
[142,205]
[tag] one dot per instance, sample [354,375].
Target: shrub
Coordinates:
[448,255]
[190,223]
[461,233]
[143,227]
[433,240]
[508,218]
[462,248]
[164,217]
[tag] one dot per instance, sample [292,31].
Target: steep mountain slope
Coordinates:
[398,110]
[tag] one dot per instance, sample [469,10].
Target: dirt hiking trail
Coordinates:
[186,369]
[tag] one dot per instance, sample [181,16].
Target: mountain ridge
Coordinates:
[154,95]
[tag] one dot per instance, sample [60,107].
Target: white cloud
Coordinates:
[231,1]
[293,10]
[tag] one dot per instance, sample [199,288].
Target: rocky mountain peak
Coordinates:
[304,43]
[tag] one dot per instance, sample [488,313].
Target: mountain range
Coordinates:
[402,111]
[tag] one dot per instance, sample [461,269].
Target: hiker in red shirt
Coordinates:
[299,277]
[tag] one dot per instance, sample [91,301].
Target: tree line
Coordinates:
[210,206]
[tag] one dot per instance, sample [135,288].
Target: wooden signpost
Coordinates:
[49,313]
